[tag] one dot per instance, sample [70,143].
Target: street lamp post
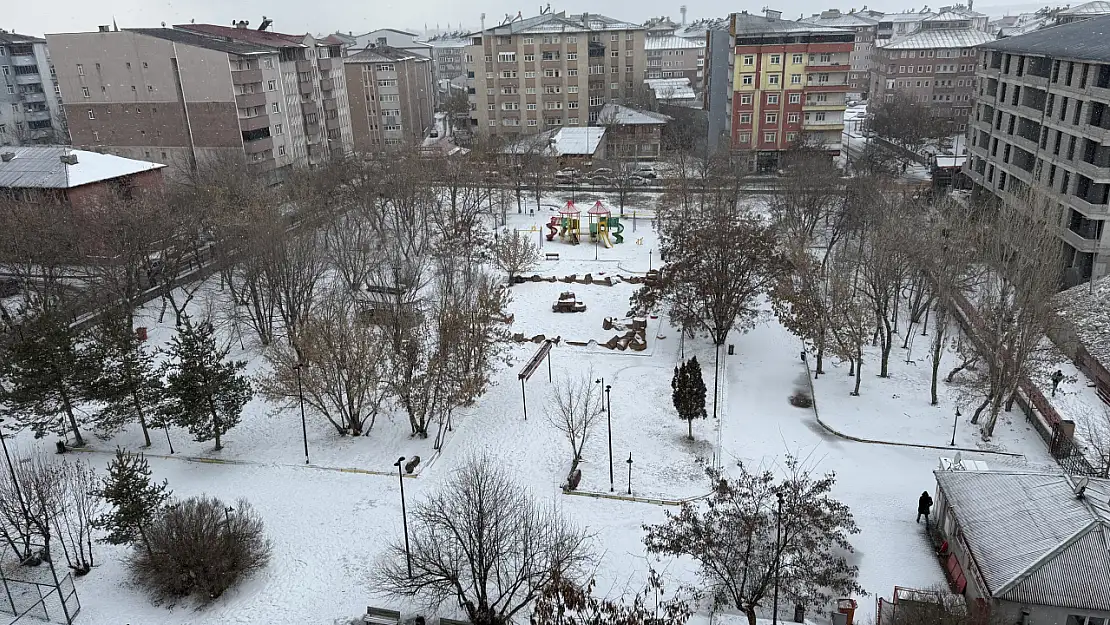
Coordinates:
[629,461]
[404,514]
[955,420]
[166,427]
[609,421]
[300,394]
[778,557]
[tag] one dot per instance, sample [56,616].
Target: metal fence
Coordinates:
[36,592]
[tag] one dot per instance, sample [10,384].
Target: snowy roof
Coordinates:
[247,35]
[1031,538]
[204,41]
[940,38]
[750,24]
[947,16]
[906,17]
[671,42]
[6,37]
[448,43]
[621,115]
[671,88]
[839,20]
[1087,40]
[41,167]
[578,141]
[950,161]
[1097,7]
[378,54]
[560,22]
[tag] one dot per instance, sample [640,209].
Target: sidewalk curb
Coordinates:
[247,463]
[633,498]
[871,441]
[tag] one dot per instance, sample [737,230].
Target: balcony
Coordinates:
[1089,210]
[823,106]
[254,123]
[308,108]
[832,85]
[330,104]
[1098,175]
[1077,240]
[825,124]
[21,60]
[33,96]
[37,116]
[327,84]
[305,87]
[326,65]
[258,146]
[833,66]
[304,66]
[246,76]
[332,123]
[250,100]
[312,128]
[28,79]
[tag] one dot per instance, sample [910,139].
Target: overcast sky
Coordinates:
[295,16]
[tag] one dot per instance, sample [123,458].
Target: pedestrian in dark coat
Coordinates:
[923,504]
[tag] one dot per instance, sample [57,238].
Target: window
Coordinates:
[270,85]
[529,41]
[776,59]
[797,59]
[772,98]
[749,59]
[489,75]
[614,86]
[529,74]
[628,36]
[281,150]
[795,79]
[826,58]
[572,72]
[529,58]
[57,90]
[791,136]
[773,79]
[275,108]
[745,98]
[745,118]
[744,137]
[572,89]
[771,118]
[268,63]
[572,56]
[489,58]
[552,89]
[150,88]
[91,114]
[491,107]
[747,79]
[489,91]
[572,120]
[792,118]
[98,67]
[84,91]
[614,70]
[573,104]
[614,37]
[532,122]
[11,89]
[506,57]
[493,122]
[572,39]
[279,129]
[614,53]
[391,128]
[531,106]
[550,73]
[80,69]
[530,90]
[510,106]
[508,73]
[770,137]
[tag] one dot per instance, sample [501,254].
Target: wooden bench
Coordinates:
[381,616]
[551,256]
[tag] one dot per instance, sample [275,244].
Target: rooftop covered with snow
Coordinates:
[939,38]
[578,141]
[41,167]
[620,115]
[1032,539]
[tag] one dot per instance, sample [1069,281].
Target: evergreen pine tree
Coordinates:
[122,376]
[203,392]
[40,376]
[688,393]
[134,498]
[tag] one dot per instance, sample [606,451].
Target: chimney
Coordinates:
[772,15]
[7,157]
[682,10]
[241,24]
[104,28]
[68,159]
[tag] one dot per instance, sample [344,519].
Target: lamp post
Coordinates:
[629,461]
[778,557]
[609,422]
[404,514]
[649,259]
[227,516]
[601,381]
[955,420]
[300,394]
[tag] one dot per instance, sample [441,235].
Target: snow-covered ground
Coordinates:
[329,521]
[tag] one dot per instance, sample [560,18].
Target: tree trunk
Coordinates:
[690,429]
[68,405]
[142,417]
[750,613]
[936,373]
[859,370]
[820,354]
[979,410]
[887,338]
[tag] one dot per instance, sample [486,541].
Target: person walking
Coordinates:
[923,504]
[1057,378]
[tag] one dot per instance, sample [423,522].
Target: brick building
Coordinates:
[789,81]
[84,181]
[391,96]
[199,92]
[935,66]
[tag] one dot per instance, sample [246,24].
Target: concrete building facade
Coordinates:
[391,37]
[199,92]
[30,104]
[789,83]
[552,70]
[935,66]
[863,48]
[1042,122]
[391,96]
[448,55]
[669,56]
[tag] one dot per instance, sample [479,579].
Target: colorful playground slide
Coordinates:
[553,226]
[616,227]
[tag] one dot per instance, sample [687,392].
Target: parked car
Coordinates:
[569,173]
[638,181]
[602,171]
[600,179]
[645,170]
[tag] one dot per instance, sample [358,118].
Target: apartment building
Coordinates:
[197,92]
[895,26]
[391,98]
[789,82]
[393,38]
[552,70]
[935,66]
[30,106]
[448,54]
[863,48]
[1042,122]
[670,56]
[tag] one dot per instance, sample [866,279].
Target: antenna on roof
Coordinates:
[265,23]
[1081,486]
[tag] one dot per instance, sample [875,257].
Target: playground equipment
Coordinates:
[566,225]
[602,223]
[568,303]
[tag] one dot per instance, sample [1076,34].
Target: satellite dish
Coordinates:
[1081,486]
[958,461]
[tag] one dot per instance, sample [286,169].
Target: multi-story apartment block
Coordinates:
[1042,123]
[399,39]
[789,82]
[669,56]
[448,54]
[895,26]
[552,70]
[391,98]
[30,106]
[935,66]
[1085,11]
[863,48]
[190,93]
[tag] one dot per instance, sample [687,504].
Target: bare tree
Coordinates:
[514,253]
[573,405]
[481,542]
[1096,431]
[80,505]
[351,249]
[341,370]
